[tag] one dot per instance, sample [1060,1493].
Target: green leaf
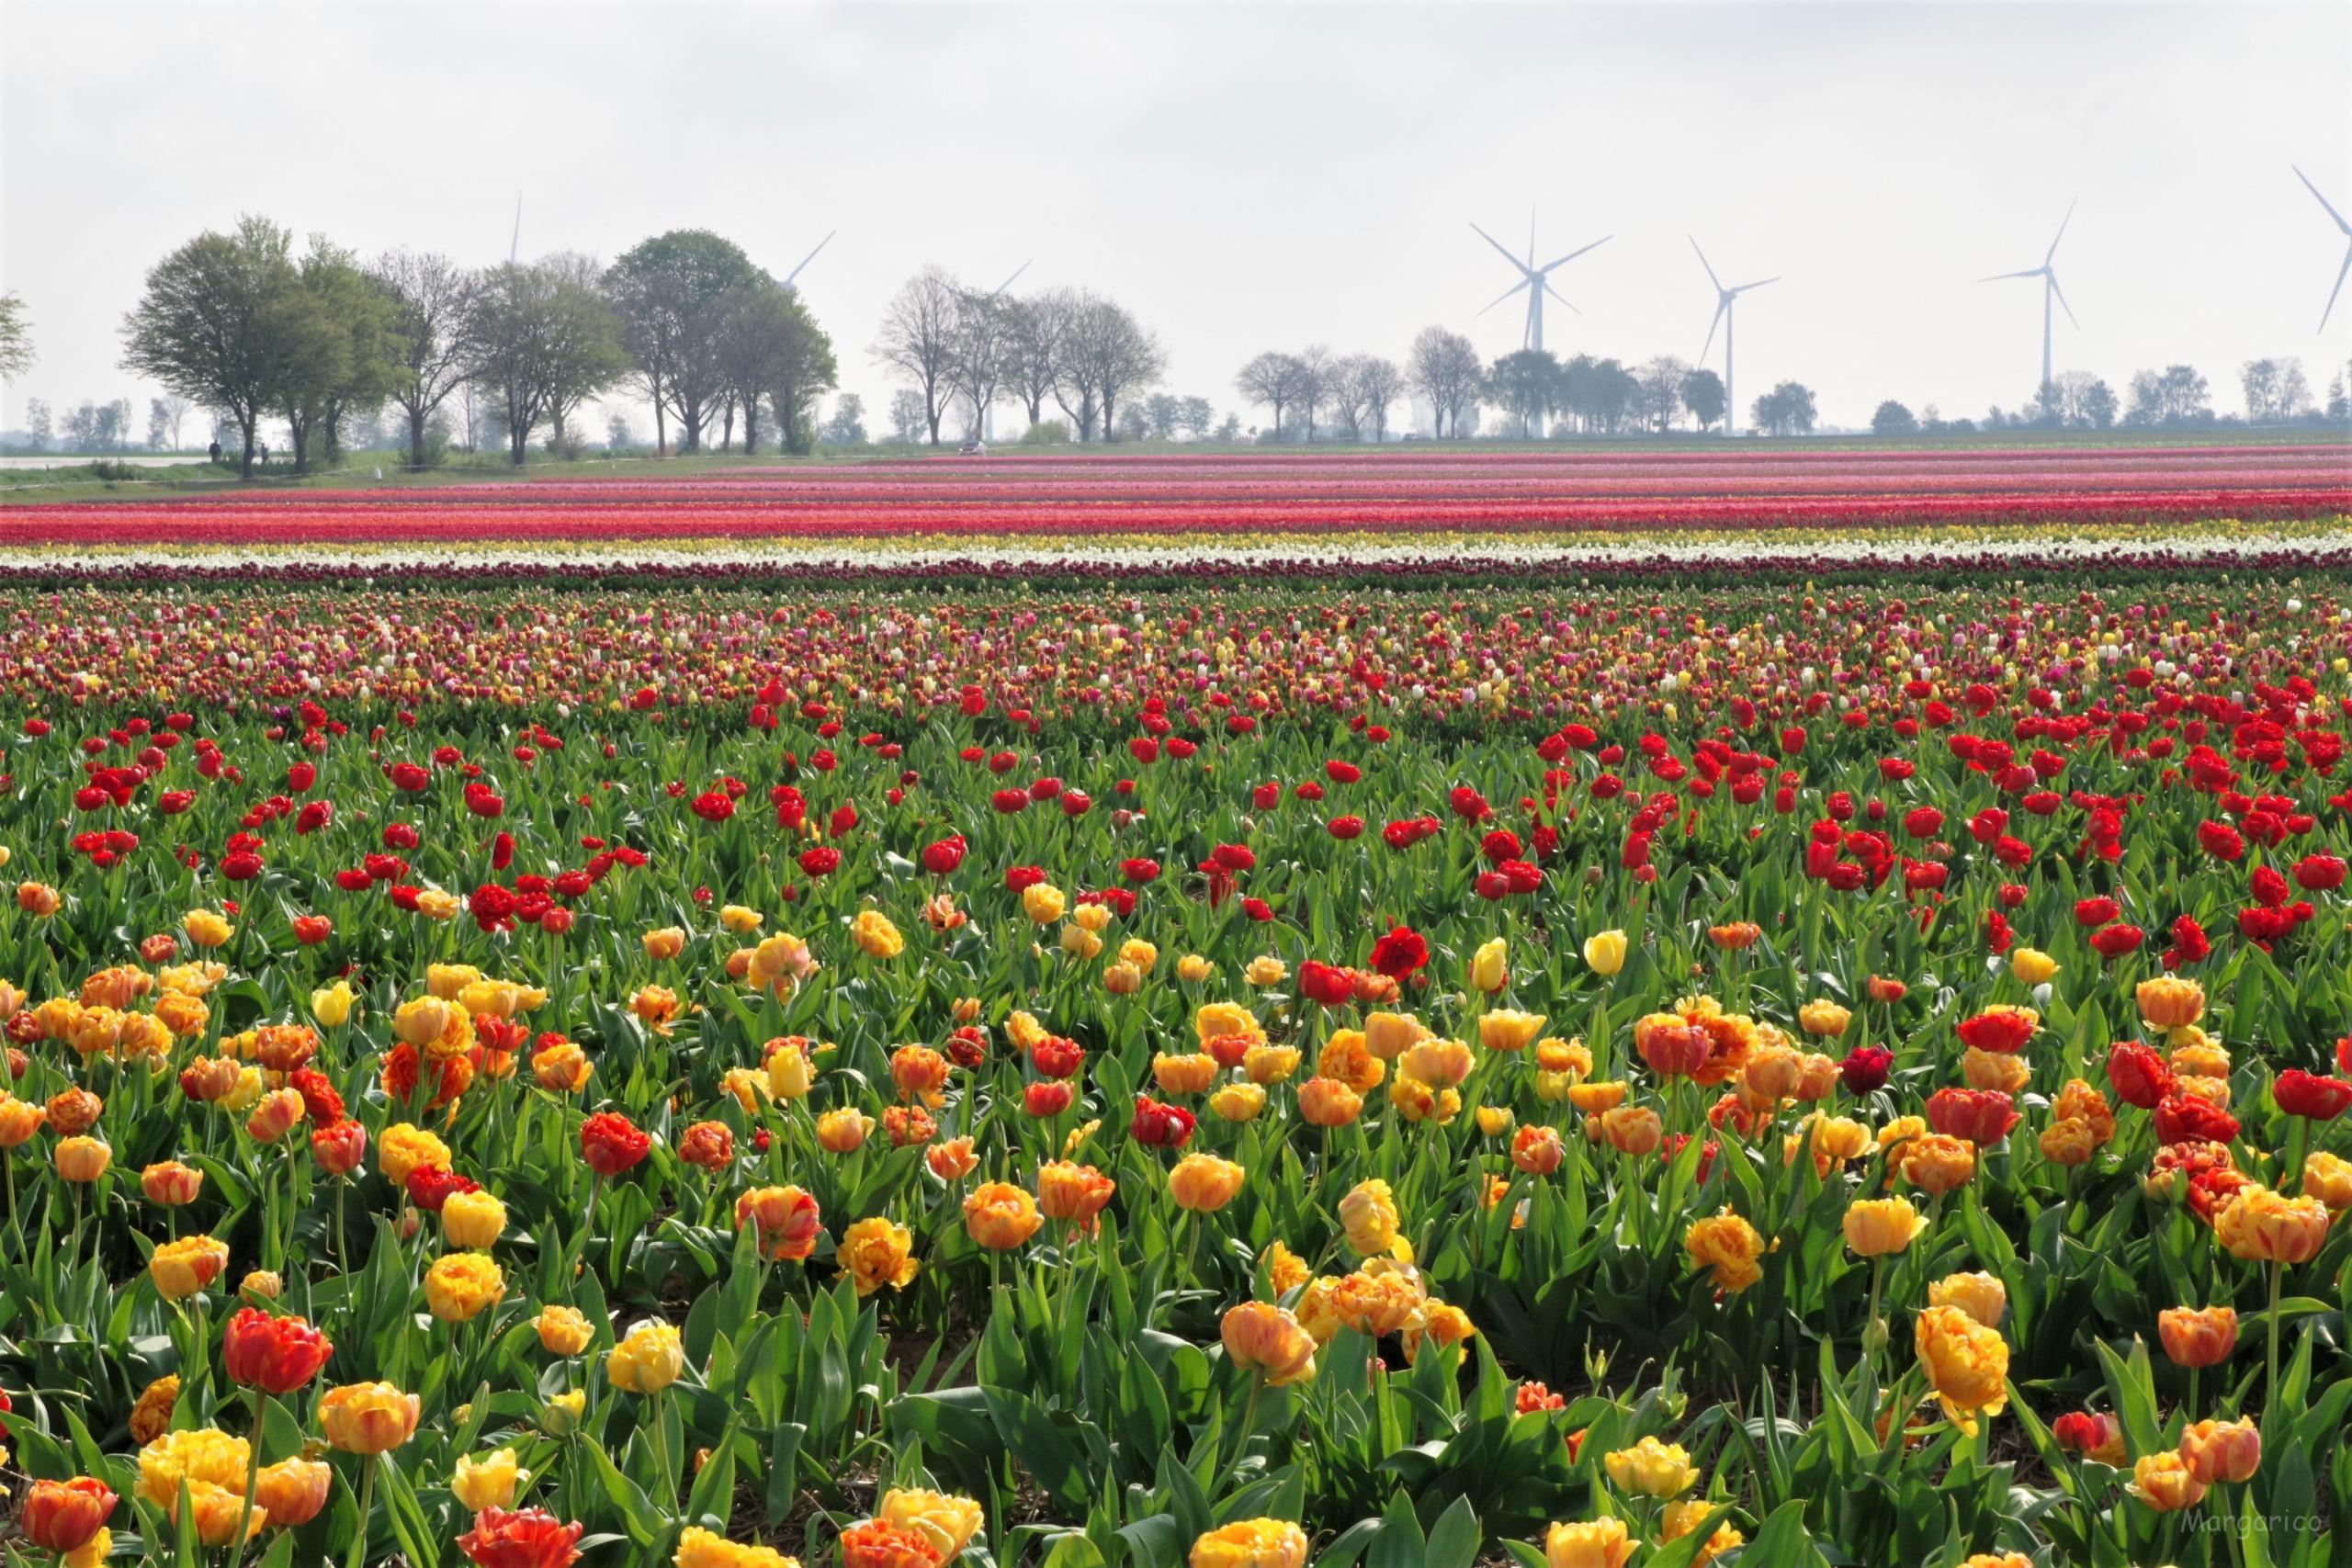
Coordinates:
[1454,1539]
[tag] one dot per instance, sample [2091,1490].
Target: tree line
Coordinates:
[1350,396]
[962,348]
[246,324]
[2276,392]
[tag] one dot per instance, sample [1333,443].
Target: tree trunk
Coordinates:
[751,425]
[246,471]
[416,436]
[660,428]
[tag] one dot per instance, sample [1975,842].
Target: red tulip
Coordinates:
[2139,1075]
[62,1516]
[339,1148]
[1163,1126]
[276,1355]
[2299,1093]
[1865,1068]
[532,1538]
[612,1143]
[1983,1116]
[1325,984]
[2185,1119]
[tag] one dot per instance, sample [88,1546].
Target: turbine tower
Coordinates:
[796,271]
[1723,301]
[1536,280]
[2340,223]
[2050,290]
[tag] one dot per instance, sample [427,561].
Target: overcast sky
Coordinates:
[1253,176]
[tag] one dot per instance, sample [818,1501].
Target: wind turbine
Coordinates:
[1536,280]
[2050,290]
[796,271]
[988,415]
[1724,299]
[514,247]
[2340,223]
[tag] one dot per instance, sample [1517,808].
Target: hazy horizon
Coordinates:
[1253,178]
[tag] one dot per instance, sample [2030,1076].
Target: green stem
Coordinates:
[661,1452]
[1870,1322]
[359,1558]
[2271,1396]
[1249,1422]
[252,1478]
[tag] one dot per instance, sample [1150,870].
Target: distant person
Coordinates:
[216,454]
[261,450]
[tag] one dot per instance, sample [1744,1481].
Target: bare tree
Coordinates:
[1035,329]
[918,337]
[1445,368]
[1111,356]
[2275,389]
[1271,379]
[981,339]
[431,296]
[1378,383]
[164,417]
[1658,391]
[1317,370]
[16,338]
[1344,395]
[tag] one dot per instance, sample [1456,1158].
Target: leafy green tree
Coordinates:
[1786,409]
[671,292]
[1526,383]
[1702,394]
[1894,419]
[219,323]
[543,339]
[846,426]
[342,350]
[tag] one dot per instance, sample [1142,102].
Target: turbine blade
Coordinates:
[1009,281]
[796,271]
[1573,254]
[2323,201]
[2062,301]
[1757,283]
[2336,290]
[1560,297]
[2060,234]
[1517,264]
[1720,308]
[2030,272]
[1702,262]
[1503,296]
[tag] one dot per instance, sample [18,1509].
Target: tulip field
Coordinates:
[1418,1011]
